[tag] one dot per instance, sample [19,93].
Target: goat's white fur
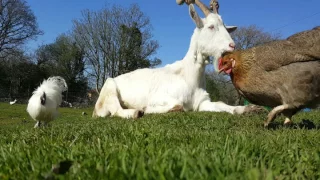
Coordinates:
[180,84]
[46,111]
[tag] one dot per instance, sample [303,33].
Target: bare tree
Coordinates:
[17,25]
[64,58]
[244,37]
[100,34]
[250,36]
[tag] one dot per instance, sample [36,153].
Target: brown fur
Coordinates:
[177,108]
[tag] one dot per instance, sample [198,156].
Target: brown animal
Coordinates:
[282,74]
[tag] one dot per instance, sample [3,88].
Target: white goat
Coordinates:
[43,104]
[176,87]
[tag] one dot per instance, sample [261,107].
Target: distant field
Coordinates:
[189,145]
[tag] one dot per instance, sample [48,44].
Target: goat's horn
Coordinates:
[179,2]
[214,6]
[202,6]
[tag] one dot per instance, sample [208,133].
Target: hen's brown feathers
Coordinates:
[301,47]
[282,74]
[306,39]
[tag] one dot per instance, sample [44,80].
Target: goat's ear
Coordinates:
[230,29]
[194,15]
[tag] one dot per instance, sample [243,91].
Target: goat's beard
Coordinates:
[215,61]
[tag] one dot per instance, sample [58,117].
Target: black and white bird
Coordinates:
[45,100]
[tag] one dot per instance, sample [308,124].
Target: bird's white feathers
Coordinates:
[13,102]
[50,93]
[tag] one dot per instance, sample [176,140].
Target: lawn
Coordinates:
[192,145]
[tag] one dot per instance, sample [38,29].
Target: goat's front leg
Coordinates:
[202,102]
[223,107]
[220,106]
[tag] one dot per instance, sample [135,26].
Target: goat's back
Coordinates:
[145,86]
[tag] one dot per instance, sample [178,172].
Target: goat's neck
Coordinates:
[194,64]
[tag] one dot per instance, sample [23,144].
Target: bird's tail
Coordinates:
[43,98]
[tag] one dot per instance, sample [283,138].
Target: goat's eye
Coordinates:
[211,27]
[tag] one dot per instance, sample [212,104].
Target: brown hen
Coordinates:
[282,74]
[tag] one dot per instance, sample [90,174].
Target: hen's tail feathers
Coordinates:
[43,98]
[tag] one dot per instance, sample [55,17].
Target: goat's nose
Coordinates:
[232,45]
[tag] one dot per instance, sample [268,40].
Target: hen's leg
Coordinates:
[37,124]
[288,114]
[287,121]
[274,112]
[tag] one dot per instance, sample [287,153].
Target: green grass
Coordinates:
[189,145]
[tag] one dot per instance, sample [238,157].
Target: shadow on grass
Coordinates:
[304,124]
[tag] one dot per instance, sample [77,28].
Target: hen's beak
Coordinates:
[225,66]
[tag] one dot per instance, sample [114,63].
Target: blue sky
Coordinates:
[173,27]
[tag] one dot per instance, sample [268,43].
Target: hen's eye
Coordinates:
[211,27]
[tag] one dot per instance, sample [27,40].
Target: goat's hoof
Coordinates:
[138,114]
[254,109]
